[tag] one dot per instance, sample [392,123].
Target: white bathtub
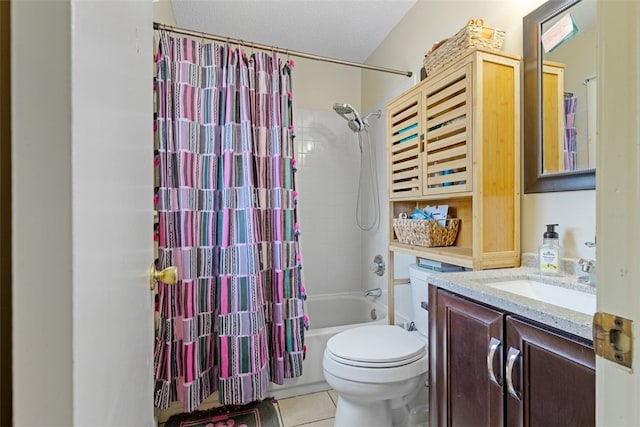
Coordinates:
[328,315]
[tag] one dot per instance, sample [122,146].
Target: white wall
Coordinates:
[42,275]
[327,158]
[433,20]
[318,85]
[163,12]
[376,241]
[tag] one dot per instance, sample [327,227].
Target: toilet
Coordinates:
[372,368]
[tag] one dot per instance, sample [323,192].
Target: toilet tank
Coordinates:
[418,278]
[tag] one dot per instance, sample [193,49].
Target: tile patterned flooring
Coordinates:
[309,410]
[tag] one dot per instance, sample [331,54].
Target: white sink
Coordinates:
[571,299]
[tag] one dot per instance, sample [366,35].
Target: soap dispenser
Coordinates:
[550,252]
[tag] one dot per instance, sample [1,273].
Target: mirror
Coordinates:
[559,49]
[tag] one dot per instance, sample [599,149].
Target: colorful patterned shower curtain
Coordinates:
[226,204]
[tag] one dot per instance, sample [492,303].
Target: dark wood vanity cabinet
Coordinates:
[490,368]
[465,395]
[554,378]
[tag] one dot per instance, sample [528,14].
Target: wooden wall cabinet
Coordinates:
[454,139]
[490,368]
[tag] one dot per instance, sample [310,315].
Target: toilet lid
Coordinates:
[376,346]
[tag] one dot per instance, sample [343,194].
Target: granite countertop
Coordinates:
[473,284]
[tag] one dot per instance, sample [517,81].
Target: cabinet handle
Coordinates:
[494,345]
[512,356]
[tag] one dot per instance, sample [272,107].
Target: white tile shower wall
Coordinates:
[336,255]
[328,162]
[376,241]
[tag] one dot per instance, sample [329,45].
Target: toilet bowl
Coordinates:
[371,366]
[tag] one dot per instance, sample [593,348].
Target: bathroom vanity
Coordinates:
[498,358]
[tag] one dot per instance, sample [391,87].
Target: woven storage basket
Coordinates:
[428,233]
[473,35]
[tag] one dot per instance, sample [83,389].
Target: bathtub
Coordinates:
[328,315]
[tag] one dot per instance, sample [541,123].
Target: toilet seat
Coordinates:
[375,346]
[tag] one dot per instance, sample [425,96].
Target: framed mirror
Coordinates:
[559,50]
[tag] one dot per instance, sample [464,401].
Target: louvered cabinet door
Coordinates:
[405,146]
[448,122]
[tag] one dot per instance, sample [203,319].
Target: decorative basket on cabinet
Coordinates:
[426,233]
[473,35]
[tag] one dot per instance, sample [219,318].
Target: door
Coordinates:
[404,133]
[112,190]
[618,185]
[550,379]
[467,333]
[82,212]
[447,116]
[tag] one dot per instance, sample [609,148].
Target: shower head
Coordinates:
[344,109]
[350,115]
[355,125]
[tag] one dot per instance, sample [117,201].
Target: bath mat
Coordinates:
[257,414]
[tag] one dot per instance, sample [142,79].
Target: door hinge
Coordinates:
[613,338]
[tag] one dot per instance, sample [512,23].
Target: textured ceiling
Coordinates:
[343,29]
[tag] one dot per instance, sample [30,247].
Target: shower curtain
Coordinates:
[226,205]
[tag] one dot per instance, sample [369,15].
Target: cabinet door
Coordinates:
[447,148]
[405,146]
[465,394]
[553,378]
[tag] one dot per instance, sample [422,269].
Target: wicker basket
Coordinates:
[475,34]
[426,232]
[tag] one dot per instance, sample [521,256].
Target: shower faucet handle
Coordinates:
[377,266]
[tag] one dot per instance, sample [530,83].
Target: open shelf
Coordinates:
[457,255]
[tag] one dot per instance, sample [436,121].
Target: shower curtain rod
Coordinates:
[259,46]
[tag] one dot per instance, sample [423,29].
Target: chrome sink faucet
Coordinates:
[588,266]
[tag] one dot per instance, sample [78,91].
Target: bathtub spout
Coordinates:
[375,292]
